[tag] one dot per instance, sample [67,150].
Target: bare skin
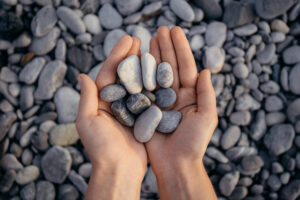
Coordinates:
[119,161]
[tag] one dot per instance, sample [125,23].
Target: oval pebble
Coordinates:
[149,71]
[121,113]
[165,97]
[146,124]
[169,122]
[164,75]
[137,103]
[112,92]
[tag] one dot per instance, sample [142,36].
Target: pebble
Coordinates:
[148,64]
[45,44]
[40,140]
[215,34]
[228,183]
[293,111]
[31,70]
[241,118]
[275,118]
[266,56]
[10,162]
[137,103]
[259,126]
[196,42]
[67,191]
[165,97]
[78,181]
[169,122]
[70,19]
[150,183]
[273,103]
[11,24]
[128,7]
[214,58]
[28,192]
[212,9]
[235,153]
[230,137]
[85,170]
[24,40]
[252,163]
[111,40]
[109,17]
[152,8]
[56,172]
[164,75]
[92,24]
[279,139]
[292,55]
[216,154]
[6,121]
[27,175]
[129,71]
[291,191]
[64,135]
[113,92]
[245,30]
[45,191]
[294,80]
[240,70]
[277,37]
[50,79]
[60,50]
[146,124]
[279,25]
[76,156]
[7,75]
[121,113]
[268,9]
[44,21]
[66,100]
[81,59]
[270,87]
[150,95]
[7,180]
[183,10]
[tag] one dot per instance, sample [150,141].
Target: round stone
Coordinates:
[230,137]
[169,122]
[137,103]
[240,70]
[45,191]
[109,17]
[165,97]
[215,34]
[292,55]
[164,75]
[112,92]
[92,24]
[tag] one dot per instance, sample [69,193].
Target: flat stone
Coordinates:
[183,10]
[76,156]
[128,7]
[214,58]
[228,183]
[78,181]
[230,137]
[121,113]
[150,95]
[216,154]
[51,78]
[238,152]
[164,75]
[215,34]
[279,139]
[85,170]
[24,40]
[146,124]
[45,44]
[211,8]
[169,122]
[53,169]
[40,140]
[240,118]
[165,97]
[240,70]
[293,110]
[60,50]
[112,92]
[92,24]
[8,75]
[28,192]
[31,70]
[44,21]
[269,9]
[278,37]
[252,163]
[275,118]
[10,162]
[109,17]
[291,191]
[6,121]
[292,55]
[129,71]
[270,87]
[245,30]
[148,64]
[111,40]
[71,19]
[81,59]
[238,13]
[45,191]
[27,175]
[137,103]
[63,135]
[266,56]
[66,100]
[67,191]
[246,102]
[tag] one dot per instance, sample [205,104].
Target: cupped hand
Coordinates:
[195,100]
[107,142]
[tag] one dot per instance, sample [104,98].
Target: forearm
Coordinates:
[113,183]
[185,182]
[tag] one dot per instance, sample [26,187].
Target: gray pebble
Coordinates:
[196,42]
[60,50]
[121,113]
[67,191]
[252,163]
[165,97]
[137,103]
[183,10]
[169,122]
[228,183]
[28,192]
[31,71]
[215,34]
[164,75]
[214,58]
[273,103]
[230,137]
[92,24]
[294,80]
[112,92]
[270,87]
[293,110]
[146,124]
[109,17]
[266,56]
[128,7]
[149,67]
[45,191]
[81,59]
[78,181]
[240,70]
[291,55]
[216,154]
[259,126]
[238,152]
[8,75]
[150,95]
[27,175]
[240,118]
[70,18]
[279,25]
[152,8]
[246,30]
[275,118]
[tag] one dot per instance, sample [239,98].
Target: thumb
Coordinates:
[206,98]
[88,104]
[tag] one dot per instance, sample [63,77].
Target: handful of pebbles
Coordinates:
[136,103]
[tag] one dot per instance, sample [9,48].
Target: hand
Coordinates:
[181,152]
[111,146]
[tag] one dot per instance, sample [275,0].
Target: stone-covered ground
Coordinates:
[251,46]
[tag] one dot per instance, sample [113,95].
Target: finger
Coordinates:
[167,52]
[154,49]
[135,48]
[185,59]
[206,98]
[108,73]
[88,103]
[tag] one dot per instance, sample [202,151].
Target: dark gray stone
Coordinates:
[258,127]
[67,192]
[81,59]
[228,182]
[252,163]
[291,191]
[11,25]
[293,111]
[112,92]
[28,192]
[78,181]
[165,97]
[121,113]
[230,137]
[294,80]
[266,56]
[45,191]
[211,8]
[7,180]
[6,120]
[169,122]
[137,103]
